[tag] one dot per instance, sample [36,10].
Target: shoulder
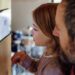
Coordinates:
[52,68]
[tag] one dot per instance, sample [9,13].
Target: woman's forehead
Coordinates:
[60,15]
[60,9]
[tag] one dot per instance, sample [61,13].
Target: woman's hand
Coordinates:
[25,61]
[18,57]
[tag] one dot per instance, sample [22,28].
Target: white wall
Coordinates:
[21,12]
[57,1]
[5,4]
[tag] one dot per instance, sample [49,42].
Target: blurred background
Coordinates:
[22,39]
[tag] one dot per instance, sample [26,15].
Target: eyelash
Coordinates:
[35,29]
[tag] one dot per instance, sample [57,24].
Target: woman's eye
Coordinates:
[35,29]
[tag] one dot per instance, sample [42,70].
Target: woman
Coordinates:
[65,31]
[43,26]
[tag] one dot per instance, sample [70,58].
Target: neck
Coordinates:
[49,51]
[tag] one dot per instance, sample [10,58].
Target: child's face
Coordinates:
[39,37]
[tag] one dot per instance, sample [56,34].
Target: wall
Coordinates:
[22,12]
[57,1]
[5,4]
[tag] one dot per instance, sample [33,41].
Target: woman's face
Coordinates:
[62,33]
[60,28]
[39,37]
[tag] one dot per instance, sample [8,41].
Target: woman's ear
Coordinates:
[56,32]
